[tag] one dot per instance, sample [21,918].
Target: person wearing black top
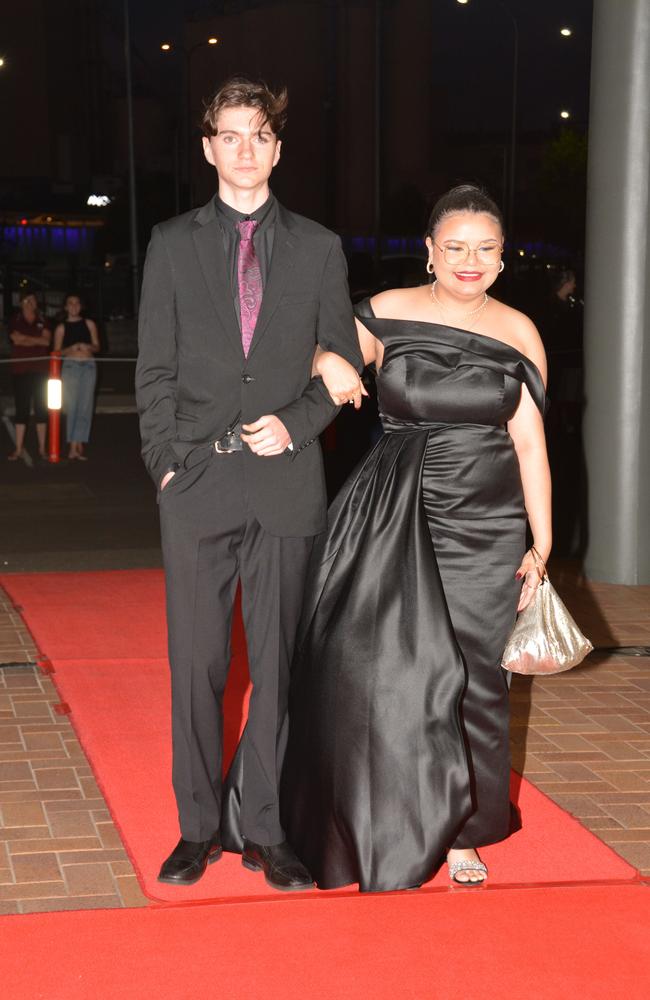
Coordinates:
[236,296]
[78,340]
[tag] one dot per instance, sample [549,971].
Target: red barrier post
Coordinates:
[54,406]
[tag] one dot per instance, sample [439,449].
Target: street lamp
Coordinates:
[565,114]
[2,62]
[566,32]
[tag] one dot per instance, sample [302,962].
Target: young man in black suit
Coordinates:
[236,296]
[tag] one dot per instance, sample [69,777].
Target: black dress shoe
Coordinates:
[188,861]
[282,869]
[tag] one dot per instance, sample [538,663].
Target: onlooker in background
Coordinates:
[30,338]
[561,327]
[78,340]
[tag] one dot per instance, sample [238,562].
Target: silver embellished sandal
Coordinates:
[467,865]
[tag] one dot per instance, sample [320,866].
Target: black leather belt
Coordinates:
[230,441]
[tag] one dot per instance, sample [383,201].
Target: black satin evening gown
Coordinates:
[398,733]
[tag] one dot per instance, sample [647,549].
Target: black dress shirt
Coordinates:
[262,240]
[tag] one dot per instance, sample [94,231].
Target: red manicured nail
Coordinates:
[518,576]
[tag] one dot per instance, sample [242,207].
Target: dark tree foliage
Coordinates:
[563,186]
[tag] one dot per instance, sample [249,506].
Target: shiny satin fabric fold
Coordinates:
[376,781]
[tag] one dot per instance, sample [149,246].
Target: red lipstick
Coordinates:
[468,275]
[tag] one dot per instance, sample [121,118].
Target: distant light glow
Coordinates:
[2,62]
[23,222]
[166,47]
[522,253]
[98,200]
[213,41]
[565,114]
[566,32]
[54,393]
[462,2]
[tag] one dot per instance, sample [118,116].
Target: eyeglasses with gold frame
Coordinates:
[457,252]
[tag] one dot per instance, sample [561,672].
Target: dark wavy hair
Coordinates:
[463,198]
[239,92]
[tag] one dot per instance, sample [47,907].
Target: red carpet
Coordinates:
[123,613]
[110,669]
[549,944]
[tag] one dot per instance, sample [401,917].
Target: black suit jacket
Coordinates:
[192,378]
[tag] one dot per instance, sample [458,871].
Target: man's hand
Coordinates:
[267,436]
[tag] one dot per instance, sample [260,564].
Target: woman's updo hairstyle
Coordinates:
[463,198]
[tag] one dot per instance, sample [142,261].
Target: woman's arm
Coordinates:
[340,378]
[526,429]
[59,333]
[43,339]
[94,336]
[28,340]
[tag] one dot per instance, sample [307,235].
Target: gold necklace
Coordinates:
[474,312]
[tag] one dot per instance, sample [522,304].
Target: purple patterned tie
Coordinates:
[249,277]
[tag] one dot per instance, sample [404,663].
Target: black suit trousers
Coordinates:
[211,539]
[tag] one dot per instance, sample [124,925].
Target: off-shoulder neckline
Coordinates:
[458,329]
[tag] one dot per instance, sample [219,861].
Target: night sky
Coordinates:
[445,110]
[472,48]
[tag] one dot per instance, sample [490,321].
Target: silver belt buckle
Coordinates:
[226,444]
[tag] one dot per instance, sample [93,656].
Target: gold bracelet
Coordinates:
[536,556]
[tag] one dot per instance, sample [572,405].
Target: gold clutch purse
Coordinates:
[545,639]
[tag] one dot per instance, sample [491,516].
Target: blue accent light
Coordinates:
[72,240]
[57,238]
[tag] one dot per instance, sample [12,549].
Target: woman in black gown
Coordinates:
[398,740]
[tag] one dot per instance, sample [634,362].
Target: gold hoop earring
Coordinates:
[501,267]
[429,267]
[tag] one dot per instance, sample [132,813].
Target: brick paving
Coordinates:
[583,738]
[59,848]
